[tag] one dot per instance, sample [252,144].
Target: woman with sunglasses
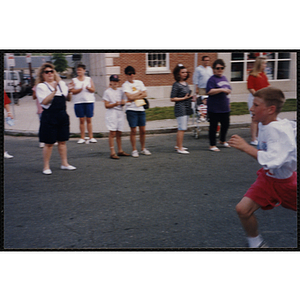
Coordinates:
[52,93]
[218,108]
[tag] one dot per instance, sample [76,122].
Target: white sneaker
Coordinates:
[81,141]
[6,155]
[42,145]
[135,153]
[69,167]
[183,151]
[47,172]
[184,148]
[254,143]
[146,152]
[93,140]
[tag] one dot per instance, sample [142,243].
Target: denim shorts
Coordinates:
[136,118]
[182,122]
[84,110]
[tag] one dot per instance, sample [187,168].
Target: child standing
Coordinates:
[181,95]
[276,183]
[114,117]
[202,108]
[135,91]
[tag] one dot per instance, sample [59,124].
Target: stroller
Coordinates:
[200,114]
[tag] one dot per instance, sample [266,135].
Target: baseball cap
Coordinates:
[114,78]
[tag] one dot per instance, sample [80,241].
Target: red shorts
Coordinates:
[269,192]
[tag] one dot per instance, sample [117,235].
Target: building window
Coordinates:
[278,65]
[157,63]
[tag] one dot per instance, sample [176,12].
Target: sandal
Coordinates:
[123,154]
[215,149]
[114,156]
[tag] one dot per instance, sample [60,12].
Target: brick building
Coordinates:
[155,69]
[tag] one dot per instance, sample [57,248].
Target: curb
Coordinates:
[12,132]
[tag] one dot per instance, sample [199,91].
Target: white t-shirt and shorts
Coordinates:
[276,183]
[83,101]
[114,117]
[136,115]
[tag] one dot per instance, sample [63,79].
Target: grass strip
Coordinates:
[237,108]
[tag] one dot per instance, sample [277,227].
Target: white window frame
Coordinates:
[275,60]
[158,70]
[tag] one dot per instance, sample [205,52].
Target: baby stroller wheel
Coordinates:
[197,133]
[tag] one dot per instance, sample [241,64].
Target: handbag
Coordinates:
[147,105]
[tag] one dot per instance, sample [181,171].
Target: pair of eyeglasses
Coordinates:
[48,71]
[220,68]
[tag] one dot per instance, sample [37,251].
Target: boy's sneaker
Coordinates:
[6,155]
[254,143]
[263,244]
[135,153]
[81,141]
[146,152]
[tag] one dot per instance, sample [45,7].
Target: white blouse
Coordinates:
[44,89]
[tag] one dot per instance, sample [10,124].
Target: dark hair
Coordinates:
[81,66]
[204,56]
[271,96]
[177,70]
[219,61]
[129,69]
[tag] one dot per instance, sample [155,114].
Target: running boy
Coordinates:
[114,117]
[276,151]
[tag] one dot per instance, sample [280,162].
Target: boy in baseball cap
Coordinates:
[114,117]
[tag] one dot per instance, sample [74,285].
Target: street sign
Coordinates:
[28,58]
[11,60]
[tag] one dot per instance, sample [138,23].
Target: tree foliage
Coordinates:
[60,62]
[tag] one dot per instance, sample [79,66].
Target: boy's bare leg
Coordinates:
[133,138]
[245,209]
[142,130]
[111,137]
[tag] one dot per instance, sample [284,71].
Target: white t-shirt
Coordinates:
[113,96]
[277,140]
[84,96]
[133,88]
[42,91]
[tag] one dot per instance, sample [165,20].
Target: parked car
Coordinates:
[14,83]
[27,84]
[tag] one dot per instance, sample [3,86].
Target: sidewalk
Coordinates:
[27,122]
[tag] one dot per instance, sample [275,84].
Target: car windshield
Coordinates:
[12,76]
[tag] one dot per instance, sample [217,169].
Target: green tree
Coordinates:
[60,62]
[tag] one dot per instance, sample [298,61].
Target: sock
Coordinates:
[254,242]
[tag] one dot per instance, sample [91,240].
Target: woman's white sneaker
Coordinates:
[146,152]
[47,172]
[69,167]
[134,153]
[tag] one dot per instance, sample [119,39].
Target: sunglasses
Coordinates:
[129,74]
[48,71]
[220,68]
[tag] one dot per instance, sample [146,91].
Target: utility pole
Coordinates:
[28,60]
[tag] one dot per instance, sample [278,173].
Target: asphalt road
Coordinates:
[163,201]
